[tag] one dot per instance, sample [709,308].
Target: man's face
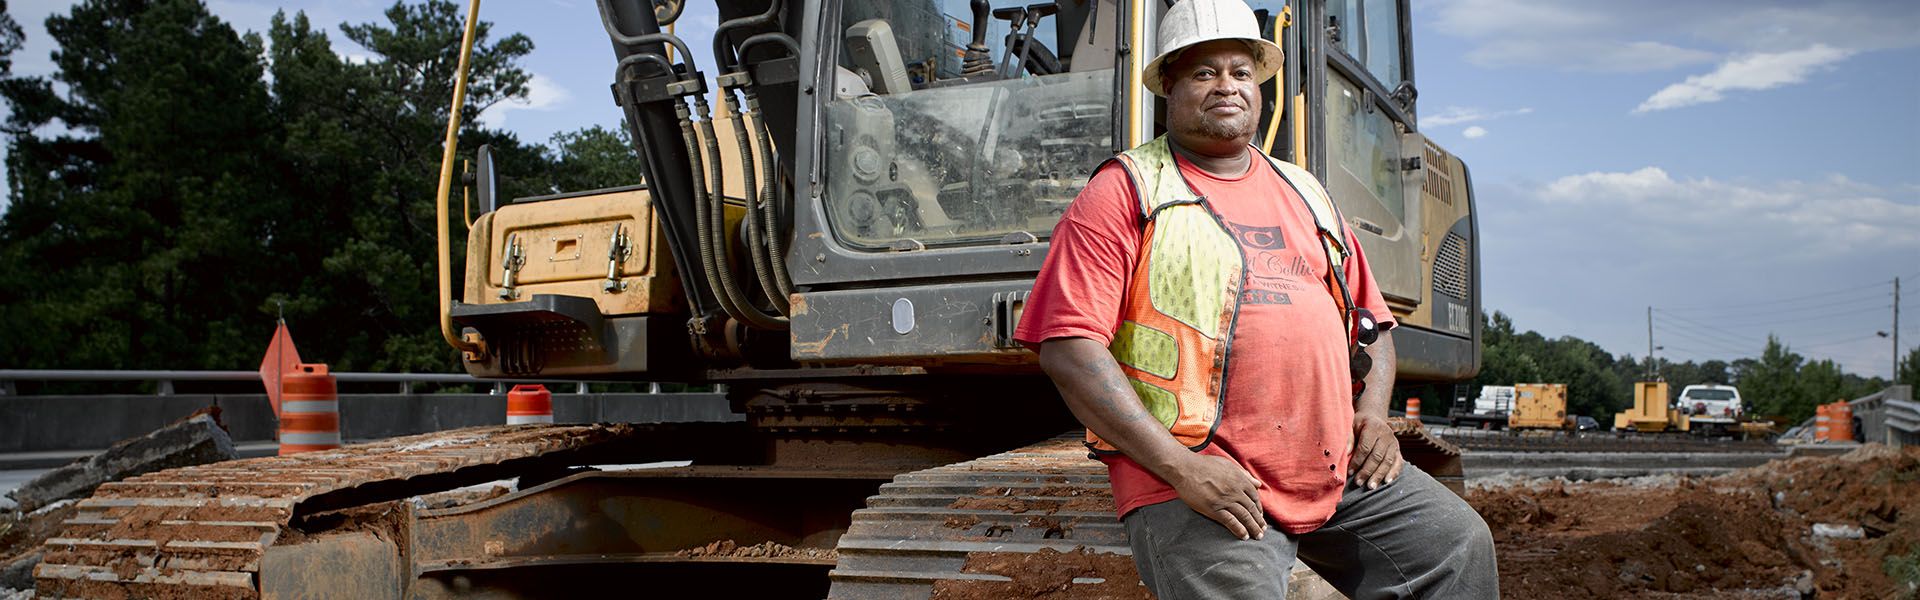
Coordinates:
[1212,95]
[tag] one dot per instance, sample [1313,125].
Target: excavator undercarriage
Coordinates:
[673,509]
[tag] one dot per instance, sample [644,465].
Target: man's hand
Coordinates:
[1376,453]
[1219,489]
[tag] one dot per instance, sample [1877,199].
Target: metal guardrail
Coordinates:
[1903,416]
[165,379]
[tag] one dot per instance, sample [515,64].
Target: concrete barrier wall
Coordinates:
[52,423]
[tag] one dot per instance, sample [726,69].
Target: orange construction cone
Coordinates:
[1822,423]
[1413,409]
[309,411]
[529,404]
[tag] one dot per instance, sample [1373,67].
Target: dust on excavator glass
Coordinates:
[931,144]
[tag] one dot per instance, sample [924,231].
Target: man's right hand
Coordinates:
[1098,394]
[1219,489]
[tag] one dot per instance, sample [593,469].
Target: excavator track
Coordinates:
[1036,522]
[205,531]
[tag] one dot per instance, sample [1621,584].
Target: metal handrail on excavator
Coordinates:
[446,188]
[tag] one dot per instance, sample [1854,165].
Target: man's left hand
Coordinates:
[1376,453]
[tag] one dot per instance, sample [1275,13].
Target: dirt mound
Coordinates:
[1730,536]
[1875,488]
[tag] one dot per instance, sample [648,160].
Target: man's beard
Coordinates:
[1224,129]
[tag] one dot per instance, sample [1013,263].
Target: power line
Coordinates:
[1719,343]
[1824,306]
[1787,300]
[1675,321]
[1881,308]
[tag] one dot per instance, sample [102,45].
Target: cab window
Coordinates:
[1369,33]
[928,144]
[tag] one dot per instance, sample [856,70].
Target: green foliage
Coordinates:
[189,183]
[595,158]
[1904,570]
[11,38]
[1910,368]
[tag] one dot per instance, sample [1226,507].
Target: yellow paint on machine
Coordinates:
[1539,406]
[565,245]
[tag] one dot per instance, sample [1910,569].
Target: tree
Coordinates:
[11,38]
[364,142]
[130,236]
[1909,369]
[594,158]
[1768,383]
[195,182]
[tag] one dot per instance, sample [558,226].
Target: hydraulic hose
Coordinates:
[707,267]
[726,60]
[607,20]
[757,235]
[771,205]
[717,233]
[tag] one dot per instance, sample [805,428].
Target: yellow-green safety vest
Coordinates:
[1177,321]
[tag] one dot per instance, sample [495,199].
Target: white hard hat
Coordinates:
[1193,22]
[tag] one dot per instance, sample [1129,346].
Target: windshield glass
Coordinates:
[937,158]
[1714,395]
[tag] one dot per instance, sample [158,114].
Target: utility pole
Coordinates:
[1896,330]
[1652,372]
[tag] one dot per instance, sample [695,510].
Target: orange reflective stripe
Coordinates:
[1180,307]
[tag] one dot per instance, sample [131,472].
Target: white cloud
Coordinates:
[1656,35]
[1604,56]
[1474,132]
[1748,73]
[543,94]
[1783,221]
[1456,115]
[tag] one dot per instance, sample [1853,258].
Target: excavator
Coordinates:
[839,213]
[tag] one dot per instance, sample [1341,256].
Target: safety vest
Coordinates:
[1177,321]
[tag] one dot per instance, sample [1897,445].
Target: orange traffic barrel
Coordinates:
[1413,409]
[1822,423]
[1840,425]
[309,410]
[529,404]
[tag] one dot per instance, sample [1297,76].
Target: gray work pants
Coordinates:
[1410,539]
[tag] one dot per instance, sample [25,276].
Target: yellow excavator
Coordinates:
[840,216]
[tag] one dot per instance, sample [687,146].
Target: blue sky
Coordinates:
[1745,167]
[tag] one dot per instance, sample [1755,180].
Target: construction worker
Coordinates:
[1201,317]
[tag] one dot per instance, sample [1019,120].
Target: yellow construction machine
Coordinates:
[1540,406]
[1652,412]
[841,215]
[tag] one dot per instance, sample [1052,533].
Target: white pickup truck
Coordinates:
[1714,410]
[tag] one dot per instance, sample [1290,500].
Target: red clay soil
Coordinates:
[1731,536]
[21,533]
[1047,574]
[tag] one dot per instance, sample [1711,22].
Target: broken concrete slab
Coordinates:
[196,440]
[17,572]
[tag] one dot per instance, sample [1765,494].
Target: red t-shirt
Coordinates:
[1289,409]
